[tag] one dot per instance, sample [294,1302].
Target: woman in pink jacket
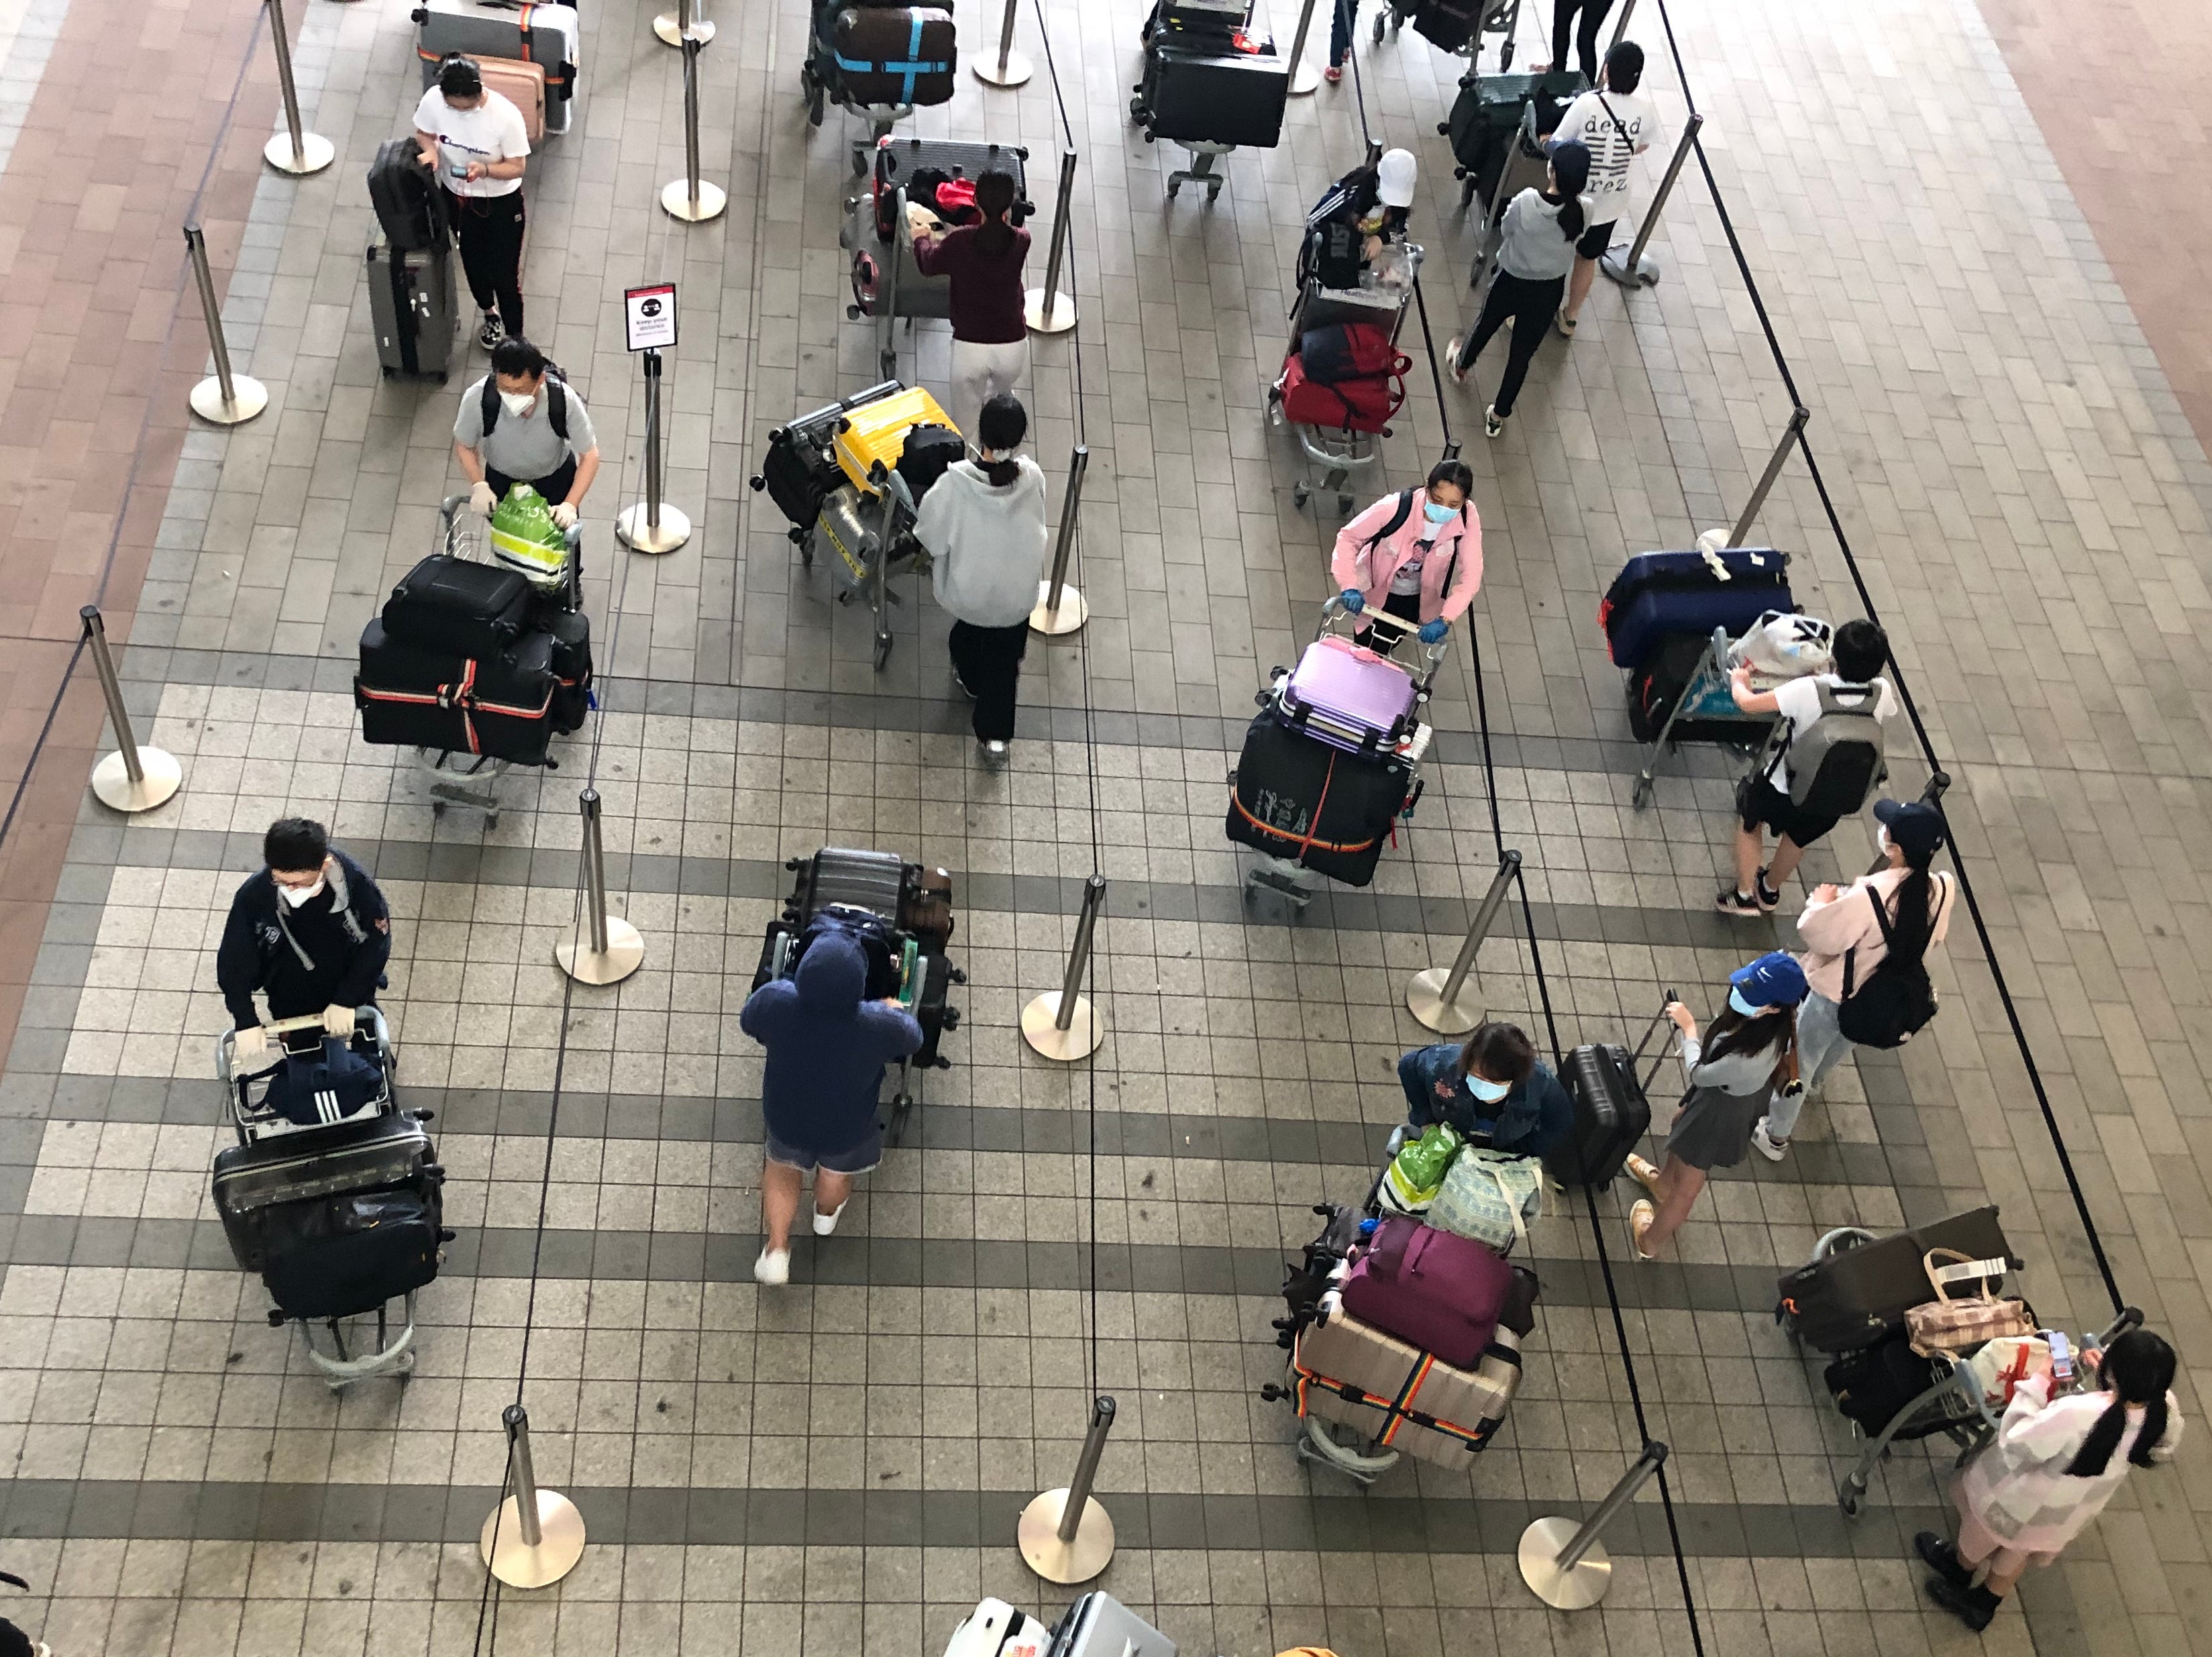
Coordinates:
[1416,555]
[2052,1468]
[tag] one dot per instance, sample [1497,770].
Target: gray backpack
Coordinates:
[1838,763]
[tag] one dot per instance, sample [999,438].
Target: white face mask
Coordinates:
[296,895]
[518,403]
[1882,841]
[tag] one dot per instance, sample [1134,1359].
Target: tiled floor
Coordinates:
[838,1464]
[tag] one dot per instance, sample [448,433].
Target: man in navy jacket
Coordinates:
[311,930]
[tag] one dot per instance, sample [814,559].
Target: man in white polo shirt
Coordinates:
[476,142]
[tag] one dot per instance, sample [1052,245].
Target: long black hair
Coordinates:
[994,199]
[2138,1369]
[1731,1032]
[1570,169]
[1912,920]
[1000,428]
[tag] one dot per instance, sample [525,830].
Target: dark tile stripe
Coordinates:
[1324,1523]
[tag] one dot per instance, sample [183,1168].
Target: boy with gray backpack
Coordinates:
[1822,764]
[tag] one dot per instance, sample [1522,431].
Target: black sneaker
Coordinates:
[1769,899]
[1943,1559]
[1974,1608]
[1732,903]
[493,331]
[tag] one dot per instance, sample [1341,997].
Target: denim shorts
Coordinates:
[855,1159]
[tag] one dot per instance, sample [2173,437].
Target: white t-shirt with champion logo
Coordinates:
[492,131]
[1613,140]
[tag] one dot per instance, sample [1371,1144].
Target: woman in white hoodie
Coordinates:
[983,524]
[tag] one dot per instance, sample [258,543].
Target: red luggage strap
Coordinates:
[1399,1409]
[461,698]
[1307,841]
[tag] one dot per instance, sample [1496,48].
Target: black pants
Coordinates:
[1406,607]
[490,230]
[554,486]
[1563,17]
[989,660]
[1530,304]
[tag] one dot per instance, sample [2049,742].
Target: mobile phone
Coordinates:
[2062,1356]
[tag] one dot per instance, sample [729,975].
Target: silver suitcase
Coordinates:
[1099,1625]
[412,303]
[548,35]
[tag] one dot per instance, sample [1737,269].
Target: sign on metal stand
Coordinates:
[223,398]
[293,151]
[652,525]
[132,779]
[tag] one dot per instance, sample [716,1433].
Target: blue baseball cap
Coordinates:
[1775,979]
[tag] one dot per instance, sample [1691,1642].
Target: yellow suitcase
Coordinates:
[876,431]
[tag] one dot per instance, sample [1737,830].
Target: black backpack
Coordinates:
[928,451]
[1897,1001]
[556,403]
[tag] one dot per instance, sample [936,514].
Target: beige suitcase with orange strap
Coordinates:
[544,36]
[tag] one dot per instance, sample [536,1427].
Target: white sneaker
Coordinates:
[995,755]
[772,1267]
[826,1223]
[1772,1149]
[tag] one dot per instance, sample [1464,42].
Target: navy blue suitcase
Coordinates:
[1657,593]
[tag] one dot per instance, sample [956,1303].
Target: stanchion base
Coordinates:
[113,784]
[1304,79]
[1085,1031]
[1577,1588]
[1072,613]
[676,200]
[518,1564]
[665,26]
[1646,274]
[1065,1562]
[624,954]
[316,152]
[671,532]
[1014,73]
[249,397]
[1425,999]
[1057,319]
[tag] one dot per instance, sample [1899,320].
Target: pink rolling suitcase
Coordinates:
[1346,696]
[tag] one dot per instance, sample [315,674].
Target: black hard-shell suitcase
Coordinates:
[500,705]
[1324,808]
[347,1254]
[568,633]
[458,604]
[253,1181]
[902,55]
[1854,1296]
[414,308]
[1447,24]
[1612,1111]
[1196,94]
[405,198]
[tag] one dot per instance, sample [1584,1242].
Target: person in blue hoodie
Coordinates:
[827,1046]
[1492,1086]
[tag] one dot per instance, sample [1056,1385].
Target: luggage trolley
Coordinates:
[1706,711]
[1341,729]
[886,284]
[1333,453]
[1479,18]
[322,1189]
[822,79]
[471,780]
[1210,84]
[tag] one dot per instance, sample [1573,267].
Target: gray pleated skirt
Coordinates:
[1713,1129]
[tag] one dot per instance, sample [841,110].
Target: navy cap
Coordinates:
[1916,827]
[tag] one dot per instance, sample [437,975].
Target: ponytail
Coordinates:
[2138,1369]
[996,196]
[1571,218]
[1001,472]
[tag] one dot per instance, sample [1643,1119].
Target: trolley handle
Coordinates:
[368,1019]
[1433,655]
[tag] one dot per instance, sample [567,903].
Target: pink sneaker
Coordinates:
[1333,74]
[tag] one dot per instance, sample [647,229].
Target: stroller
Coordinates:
[903,914]
[332,1194]
[880,62]
[1332,762]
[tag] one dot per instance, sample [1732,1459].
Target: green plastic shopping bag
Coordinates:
[1417,1172]
[525,537]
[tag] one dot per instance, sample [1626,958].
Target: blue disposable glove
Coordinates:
[1354,600]
[1432,631]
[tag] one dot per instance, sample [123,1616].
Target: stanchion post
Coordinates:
[132,779]
[1047,310]
[1635,271]
[1008,68]
[690,197]
[294,151]
[652,525]
[1621,28]
[223,398]
[1065,1535]
[1063,1023]
[1303,77]
[1060,608]
[685,24]
[1767,479]
[1433,996]
[608,949]
[1565,1564]
[534,1538]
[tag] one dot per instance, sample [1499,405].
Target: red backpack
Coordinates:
[1366,405]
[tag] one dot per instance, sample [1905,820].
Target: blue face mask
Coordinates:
[1736,1001]
[1439,514]
[1487,1092]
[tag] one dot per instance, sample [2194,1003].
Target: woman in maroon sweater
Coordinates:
[990,341]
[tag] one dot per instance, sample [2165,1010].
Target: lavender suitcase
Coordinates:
[1349,697]
[1432,1288]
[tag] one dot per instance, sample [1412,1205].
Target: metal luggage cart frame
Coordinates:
[251,1117]
[1502,17]
[340,1369]
[1333,454]
[1706,699]
[1292,883]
